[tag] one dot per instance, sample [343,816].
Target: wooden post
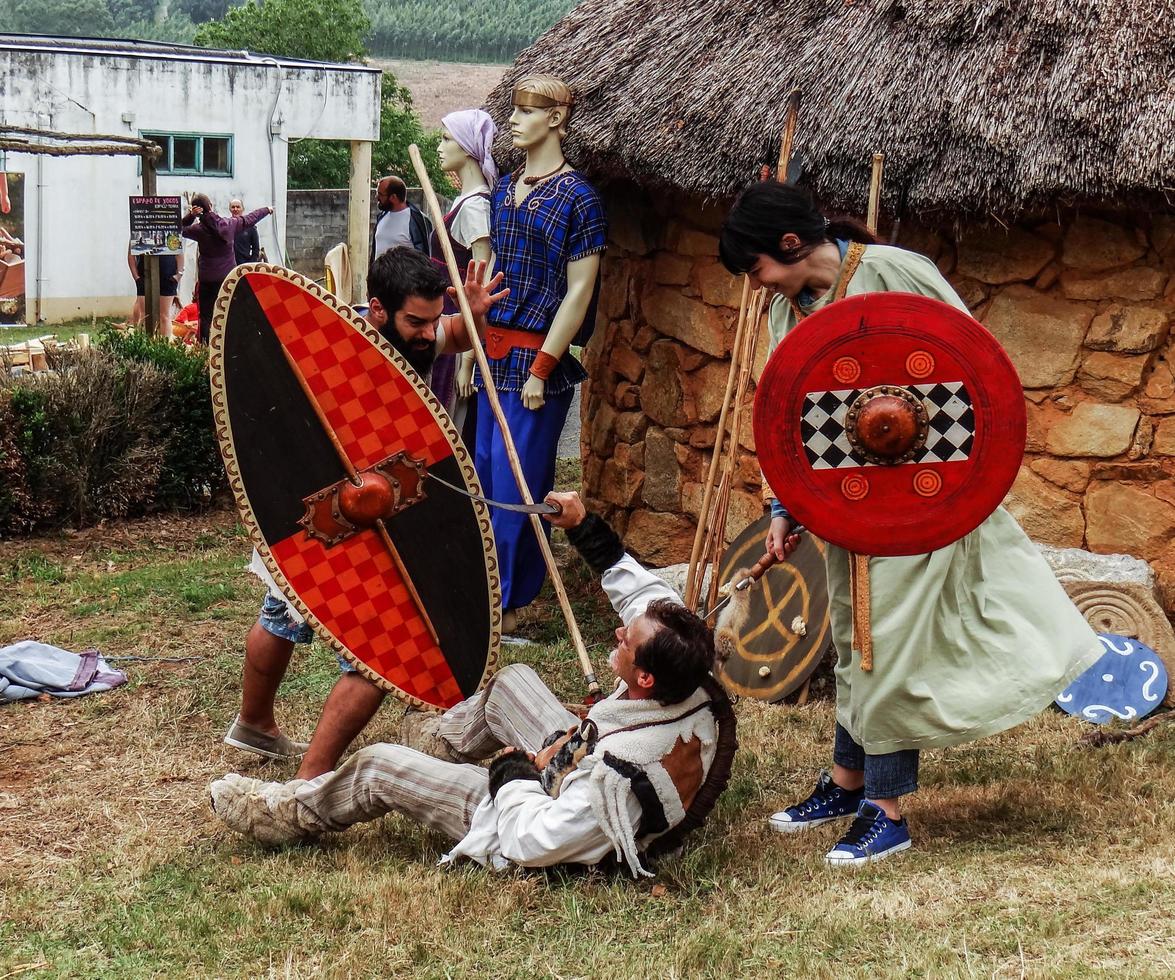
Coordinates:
[874,209]
[359,218]
[150,262]
[458,280]
[789,135]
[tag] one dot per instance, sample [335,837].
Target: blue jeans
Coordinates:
[887,776]
[275,618]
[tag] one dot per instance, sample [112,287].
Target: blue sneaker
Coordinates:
[871,837]
[827,802]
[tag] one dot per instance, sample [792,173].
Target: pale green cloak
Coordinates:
[968,640]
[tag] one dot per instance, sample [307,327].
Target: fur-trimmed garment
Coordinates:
[648,764]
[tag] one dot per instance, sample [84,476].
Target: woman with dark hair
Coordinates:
[969,640]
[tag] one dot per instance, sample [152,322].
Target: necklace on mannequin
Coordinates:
[531,181]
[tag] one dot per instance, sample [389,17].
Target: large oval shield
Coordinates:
[890,423]
[323,425]
[786,631]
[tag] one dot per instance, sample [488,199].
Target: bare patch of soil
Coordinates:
[441,87]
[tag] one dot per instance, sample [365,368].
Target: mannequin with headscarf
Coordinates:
[464,152]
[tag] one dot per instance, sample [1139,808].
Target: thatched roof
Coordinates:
[981,106]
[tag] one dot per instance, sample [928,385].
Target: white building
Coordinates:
[225,120]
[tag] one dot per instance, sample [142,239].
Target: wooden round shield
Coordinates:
[1127,683]
[786,631]
[890,423]
[328,436]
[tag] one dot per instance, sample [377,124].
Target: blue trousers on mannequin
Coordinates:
[536,436]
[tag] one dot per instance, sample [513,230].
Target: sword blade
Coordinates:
[519,508]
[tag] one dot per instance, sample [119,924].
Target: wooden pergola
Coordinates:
[46,142]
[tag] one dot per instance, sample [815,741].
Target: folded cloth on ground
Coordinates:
[29,669]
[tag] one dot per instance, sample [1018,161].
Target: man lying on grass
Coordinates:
[562,792]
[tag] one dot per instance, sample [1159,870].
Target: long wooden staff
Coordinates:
[458,280]
[711,528]
[873,209]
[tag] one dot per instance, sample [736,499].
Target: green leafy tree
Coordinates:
[326,30]
[318,30]
[77,18]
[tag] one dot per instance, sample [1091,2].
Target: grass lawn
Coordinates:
[66,330]
[1034,854]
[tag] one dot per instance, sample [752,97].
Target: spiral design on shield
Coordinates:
[920,364]
[927,483]
[854,487]
[846,370]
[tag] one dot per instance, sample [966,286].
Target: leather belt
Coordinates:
[499,342]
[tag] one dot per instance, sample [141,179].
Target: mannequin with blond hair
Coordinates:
[548,231]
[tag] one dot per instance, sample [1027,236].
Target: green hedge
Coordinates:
[119,431]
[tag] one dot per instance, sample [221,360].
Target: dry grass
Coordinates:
[1034,856]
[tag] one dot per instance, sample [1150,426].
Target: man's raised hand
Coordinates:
[481,297]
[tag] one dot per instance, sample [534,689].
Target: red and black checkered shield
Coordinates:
[327,437]
[890,423]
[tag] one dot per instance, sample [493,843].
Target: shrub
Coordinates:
[117,431]
[192,469]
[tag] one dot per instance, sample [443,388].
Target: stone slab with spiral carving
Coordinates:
[1126,609]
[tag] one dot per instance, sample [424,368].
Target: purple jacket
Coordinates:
[216,236]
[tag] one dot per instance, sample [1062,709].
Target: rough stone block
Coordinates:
[1112,376]
[717,286]
[1129,329]
[1094,430]
[1164,444]
[1072,475]
[661,392]
[1077,565]
[663,476]
[1045,512]
[1094,245]
[671,270]
[997,255]
[702,327]
[688,241]
[659,539]
[622,479]
[1042,334]
[1158,397]
[1138,282]
[706,387]
[1123,518]
[626,362]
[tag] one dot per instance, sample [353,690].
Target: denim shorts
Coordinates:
[275,618]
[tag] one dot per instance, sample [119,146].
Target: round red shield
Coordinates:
[890,423]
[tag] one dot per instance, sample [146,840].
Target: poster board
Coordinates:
[155,225]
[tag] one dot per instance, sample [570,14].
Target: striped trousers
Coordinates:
[515,708]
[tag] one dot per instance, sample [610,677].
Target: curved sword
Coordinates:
[520,508]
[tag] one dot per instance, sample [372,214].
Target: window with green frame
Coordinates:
[194,153]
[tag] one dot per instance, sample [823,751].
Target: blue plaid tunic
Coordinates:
[561,220]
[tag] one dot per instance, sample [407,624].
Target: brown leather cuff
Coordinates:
[543,365]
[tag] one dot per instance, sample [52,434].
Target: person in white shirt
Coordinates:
[398,223]
[647,762]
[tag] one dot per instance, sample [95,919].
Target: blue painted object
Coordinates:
[1127,683]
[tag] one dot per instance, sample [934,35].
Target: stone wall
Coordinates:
[316,221]
[1083,304]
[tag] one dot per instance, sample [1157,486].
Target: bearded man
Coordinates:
[406,300]
[645,764]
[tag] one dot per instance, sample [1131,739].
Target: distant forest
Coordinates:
[441,30]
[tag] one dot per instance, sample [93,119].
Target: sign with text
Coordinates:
[155,226]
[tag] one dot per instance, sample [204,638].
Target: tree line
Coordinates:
[443,30]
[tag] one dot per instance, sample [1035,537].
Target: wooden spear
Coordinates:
[712,513]
[458,280]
